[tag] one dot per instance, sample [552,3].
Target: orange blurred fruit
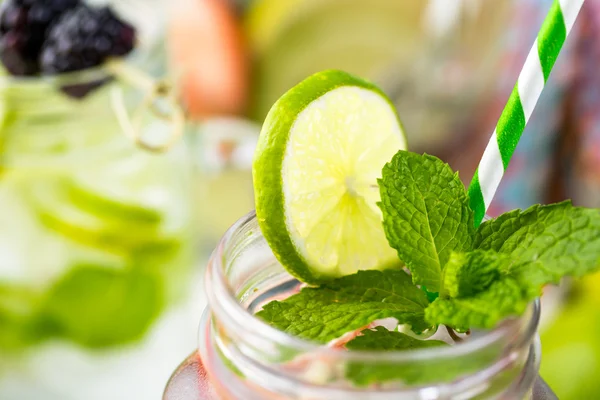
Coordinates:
[208,56]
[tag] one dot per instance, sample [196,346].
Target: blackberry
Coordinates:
[85,37]
[23,28]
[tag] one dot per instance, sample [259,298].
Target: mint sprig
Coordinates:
[426,215]
[518,253]
[349,303]
[483,275]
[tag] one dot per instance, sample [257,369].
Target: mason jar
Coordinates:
[94,233]
[241,357]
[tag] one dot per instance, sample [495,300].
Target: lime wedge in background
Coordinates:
[319,155]
[56,212]
[293,39]
[98,203]
[121,206]
[128,191]
[136,189]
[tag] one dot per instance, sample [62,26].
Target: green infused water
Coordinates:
[95,237]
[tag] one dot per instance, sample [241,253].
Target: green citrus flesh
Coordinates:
[320,152]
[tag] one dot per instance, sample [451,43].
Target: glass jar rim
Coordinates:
[222,301]
[67,78]
[99,72]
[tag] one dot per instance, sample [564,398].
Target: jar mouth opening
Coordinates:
[222,300]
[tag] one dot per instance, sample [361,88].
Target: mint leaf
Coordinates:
[412,371]
[364,373]
[382,339]
[426,214]
[545,242]
[349,303]
[467,274]
[503,298]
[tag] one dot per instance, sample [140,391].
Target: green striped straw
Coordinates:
[520,105]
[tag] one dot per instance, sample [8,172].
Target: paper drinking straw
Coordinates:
[520,105]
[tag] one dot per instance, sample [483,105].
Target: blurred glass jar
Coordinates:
[223,151]
[95,238]
[437,59]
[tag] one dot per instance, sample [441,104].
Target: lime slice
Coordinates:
[136,189]
[115,191]
[54,210]
[319,155]
[94,202]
